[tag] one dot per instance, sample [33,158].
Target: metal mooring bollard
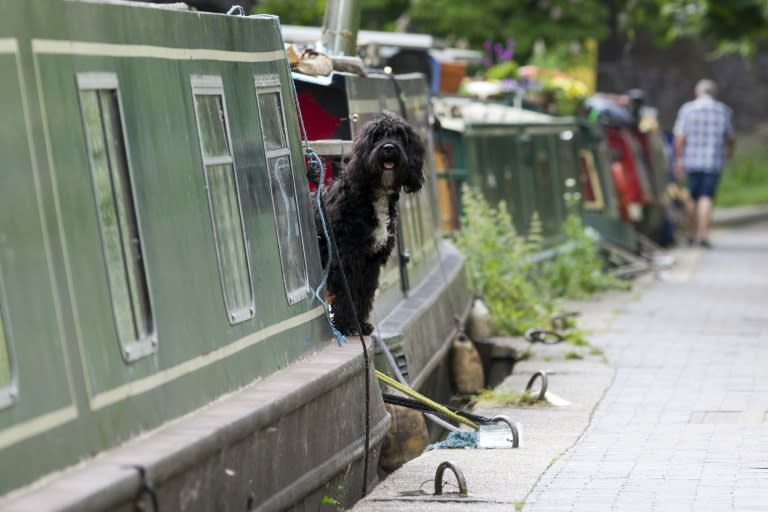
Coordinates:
[543,336]
[559,322]
[459,478]
[544,383]
[515,434]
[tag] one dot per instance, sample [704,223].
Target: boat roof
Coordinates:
[436,47]
[456,113]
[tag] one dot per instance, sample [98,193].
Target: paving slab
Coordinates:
[684,425]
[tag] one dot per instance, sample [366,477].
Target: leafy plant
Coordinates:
[577,272]
[571,355]
[333,502]
[500,267]
[520,293]
[503,70]
[596,351]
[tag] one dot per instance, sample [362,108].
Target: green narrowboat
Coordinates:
[525,158]
[159,337]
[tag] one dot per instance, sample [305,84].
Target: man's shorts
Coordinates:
[702,184]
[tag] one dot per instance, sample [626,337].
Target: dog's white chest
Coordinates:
[380,234]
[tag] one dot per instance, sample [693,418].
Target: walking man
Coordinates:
[703,141]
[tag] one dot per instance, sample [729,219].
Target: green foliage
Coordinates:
[332,503]
[572,355]
[507,397]
[497,20]
[499,265]
[596,351]
[735,26]
[577,272]
[519,293]
[504,70]
[745,179]
[374,14]
[562,55]
[294,12]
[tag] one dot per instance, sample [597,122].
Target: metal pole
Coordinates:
[340,26]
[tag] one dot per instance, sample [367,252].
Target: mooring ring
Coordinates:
[543,336]
[515,434]
[559,321]
[459,478]
[544,384]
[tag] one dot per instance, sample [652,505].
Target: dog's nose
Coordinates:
[389,148]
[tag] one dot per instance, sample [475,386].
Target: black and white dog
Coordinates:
[387,157]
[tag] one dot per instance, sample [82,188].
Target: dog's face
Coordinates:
[392,153]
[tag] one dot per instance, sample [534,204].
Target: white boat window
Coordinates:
[223,197]
[116,211]
[281,178]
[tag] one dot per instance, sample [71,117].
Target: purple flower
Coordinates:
[509,85]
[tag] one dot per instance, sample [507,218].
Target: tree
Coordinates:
[733,25]
[375,14]
[294,12]
[524,21]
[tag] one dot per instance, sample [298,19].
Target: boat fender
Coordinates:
[406,438]
[467,369]
[479,322]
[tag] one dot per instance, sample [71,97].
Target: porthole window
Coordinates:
[284,201]
[116,211]
[223,197]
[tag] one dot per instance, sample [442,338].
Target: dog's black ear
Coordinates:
[415,151]
[366,139]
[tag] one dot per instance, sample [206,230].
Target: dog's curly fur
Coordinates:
[387,158]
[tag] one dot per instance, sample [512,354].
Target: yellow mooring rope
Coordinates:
[389,381]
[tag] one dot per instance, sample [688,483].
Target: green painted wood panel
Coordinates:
[200,355]
[31,322]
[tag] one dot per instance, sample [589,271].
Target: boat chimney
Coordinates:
[340,26]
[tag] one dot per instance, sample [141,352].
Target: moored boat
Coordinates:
[159,336]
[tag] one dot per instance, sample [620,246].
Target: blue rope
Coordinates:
[315,160]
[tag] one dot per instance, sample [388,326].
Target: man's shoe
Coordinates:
[705,244]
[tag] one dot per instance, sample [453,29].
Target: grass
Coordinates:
[572,355]
[745,179]
[576,337]
[524,354]
[507,397]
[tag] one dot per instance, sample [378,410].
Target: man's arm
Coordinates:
[678,157]
[730,140]
[679,143]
